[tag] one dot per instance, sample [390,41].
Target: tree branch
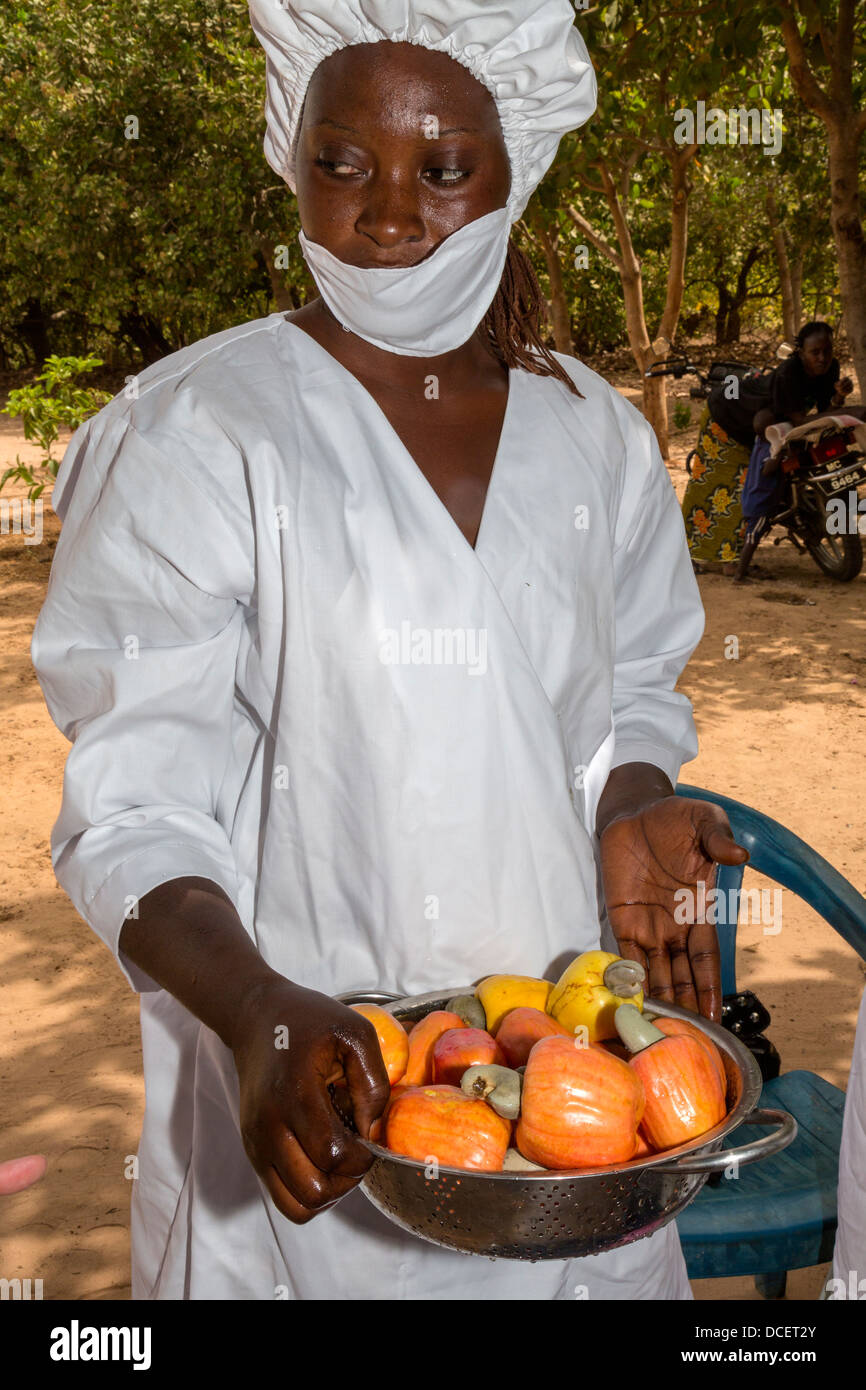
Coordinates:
[633,157]
[588,183]
[842,68]
[845,29]
[827,44]
[622,181]
[526,229]
[655,148]
[595,237]
[805,83]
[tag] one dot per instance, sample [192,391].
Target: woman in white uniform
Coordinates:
[364,622]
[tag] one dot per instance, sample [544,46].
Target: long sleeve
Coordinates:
[135,649]
[659,614]
[795,392]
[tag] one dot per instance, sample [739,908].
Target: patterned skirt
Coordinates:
[712,508]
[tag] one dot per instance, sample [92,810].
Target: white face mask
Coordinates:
[418,310]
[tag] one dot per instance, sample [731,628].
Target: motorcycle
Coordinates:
[821,464]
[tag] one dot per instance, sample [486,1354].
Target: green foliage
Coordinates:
[51,402]
[682,415]
[136,132]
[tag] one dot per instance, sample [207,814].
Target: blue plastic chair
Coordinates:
[778,1214]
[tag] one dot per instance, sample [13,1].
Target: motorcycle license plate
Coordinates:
[842,482]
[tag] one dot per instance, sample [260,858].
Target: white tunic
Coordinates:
[849,1255]
[284,668]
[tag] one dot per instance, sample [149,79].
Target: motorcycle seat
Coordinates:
[780,434]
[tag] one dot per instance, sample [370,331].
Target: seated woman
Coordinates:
[763,480]
[712,506]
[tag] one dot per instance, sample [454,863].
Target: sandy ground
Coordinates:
[780,728]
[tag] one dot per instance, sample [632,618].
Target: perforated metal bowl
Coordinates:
[566,1215]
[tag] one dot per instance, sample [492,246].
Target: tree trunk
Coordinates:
[722,313]
[730,304]
[655,401]
[655,404]
[282,298]
[560,318]
[797,292]
[644,351]
[789,319]
[850,242]
[655,407]
[680,161]
[845,124]
[33,329]
[741,293]
[145,333]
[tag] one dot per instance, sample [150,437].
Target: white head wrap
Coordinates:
[527,53]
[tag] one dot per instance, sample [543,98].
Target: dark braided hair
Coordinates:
[513,321]
[811,330]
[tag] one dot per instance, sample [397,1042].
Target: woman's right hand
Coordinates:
[289,1044]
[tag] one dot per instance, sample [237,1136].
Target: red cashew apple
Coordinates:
[521,1029]
[461,1048]
[440,1125]
[581,1106]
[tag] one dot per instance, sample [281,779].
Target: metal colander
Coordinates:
[566,1215]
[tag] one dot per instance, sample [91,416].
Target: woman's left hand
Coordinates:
[844,387]
[646,859]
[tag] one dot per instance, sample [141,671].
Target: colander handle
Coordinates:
[745,1153]
[367,996]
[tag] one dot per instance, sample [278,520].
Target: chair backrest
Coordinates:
[788,860]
